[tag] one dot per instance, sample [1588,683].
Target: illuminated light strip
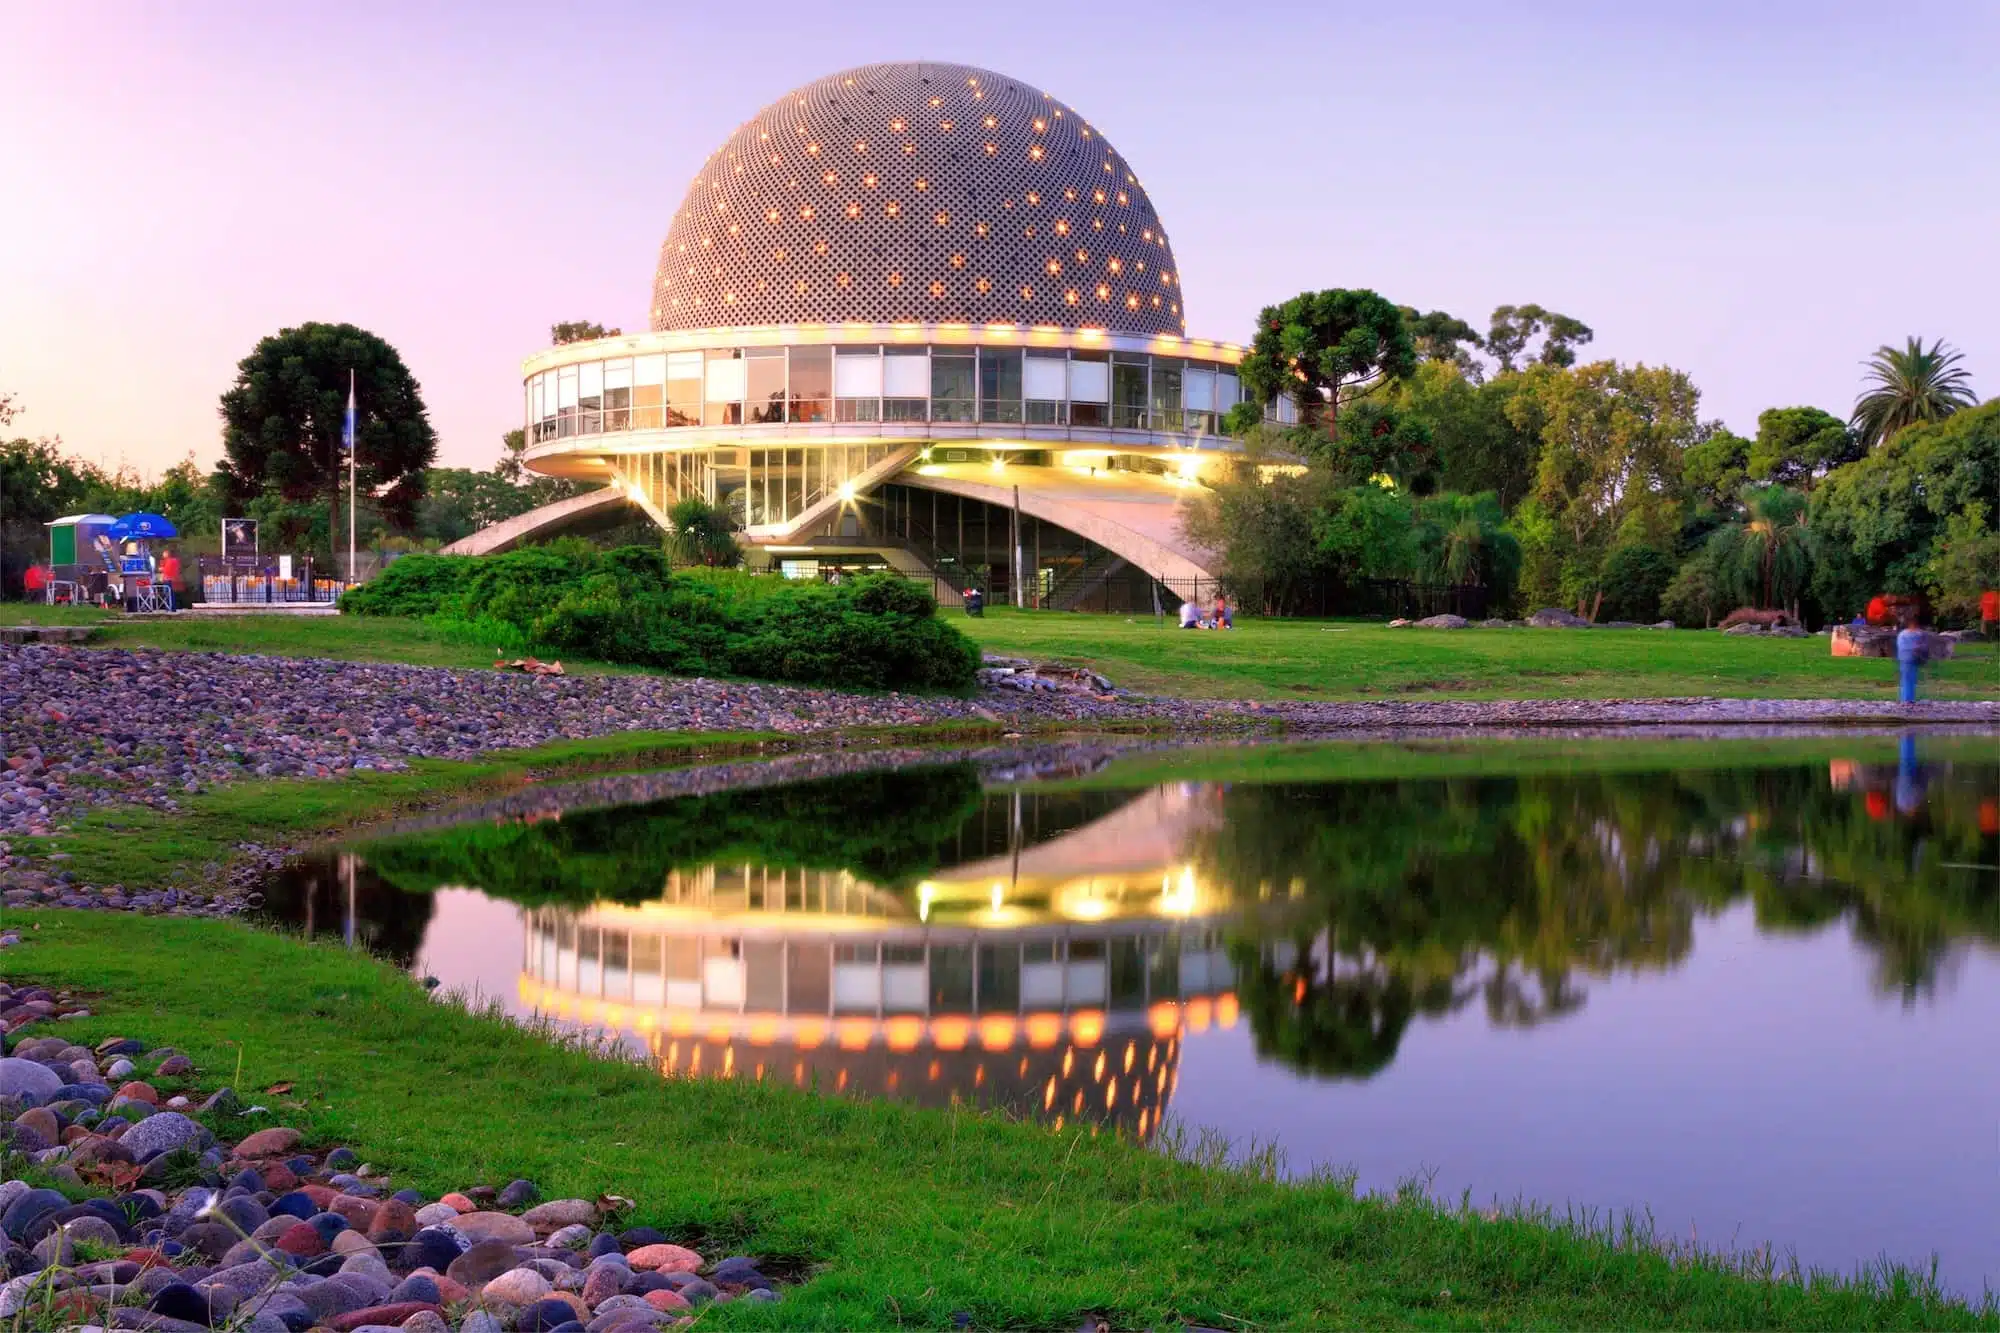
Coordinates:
[903,1033]
[1164,1018]
[854,1034]
[1044,1030]
[950,1034]
[1225,1010]
[1199,1013]
[1086,1026]
[996,1032]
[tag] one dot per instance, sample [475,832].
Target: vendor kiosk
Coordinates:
[77,567]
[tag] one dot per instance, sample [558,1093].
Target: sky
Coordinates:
[1759,194]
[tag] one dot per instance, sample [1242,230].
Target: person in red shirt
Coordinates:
[1878,611]
[1989,613]
[36,582]
[170,574]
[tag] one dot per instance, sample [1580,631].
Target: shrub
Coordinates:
[628,605]
[415,585]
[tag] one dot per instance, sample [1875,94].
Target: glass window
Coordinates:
[1228,390]
[1198,390]
[999,977]
[857,372]
[812,383]
[1046,377]
[1000,384]
[649,392]
[764,384]
[906,373]
[1128,392]
[590,398]
[951,388]
[1089,388]
[684,388]
[1167,392]
[566,401]
[618,395]
[726,385]
[857,384]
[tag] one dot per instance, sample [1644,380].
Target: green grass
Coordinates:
[911,1216]
[1323,659]
[1338,760]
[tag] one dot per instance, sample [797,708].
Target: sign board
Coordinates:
[284,566]
[239,536]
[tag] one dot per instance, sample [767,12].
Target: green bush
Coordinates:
[628,605]
[1635,578]
[415,585]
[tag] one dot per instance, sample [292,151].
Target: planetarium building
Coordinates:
[913,316]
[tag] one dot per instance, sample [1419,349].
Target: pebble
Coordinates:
[270,1262]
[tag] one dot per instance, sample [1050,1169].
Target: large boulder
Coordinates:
[1554,617]
[25,1078]
[1442,622]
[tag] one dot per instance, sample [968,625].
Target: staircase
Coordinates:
[1078,581]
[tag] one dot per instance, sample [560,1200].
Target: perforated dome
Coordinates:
[922,192]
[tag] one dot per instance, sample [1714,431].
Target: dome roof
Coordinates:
[917,192]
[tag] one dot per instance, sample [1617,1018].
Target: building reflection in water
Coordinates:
[1053,980]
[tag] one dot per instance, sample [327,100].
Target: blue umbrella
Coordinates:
[142,527]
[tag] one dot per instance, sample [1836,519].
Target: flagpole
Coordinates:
[350,476]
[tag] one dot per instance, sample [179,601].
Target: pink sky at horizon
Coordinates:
[1759,195]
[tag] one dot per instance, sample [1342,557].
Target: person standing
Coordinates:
[36,583]
[170,574]
[1989,614]
[1911,644]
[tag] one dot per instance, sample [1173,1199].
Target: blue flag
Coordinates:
[347,436]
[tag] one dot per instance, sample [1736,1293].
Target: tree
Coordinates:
[578,330]
[1325,349]
[1878,517]
[1796,446]
[1475,446]
[701,534]
[1612,442]
[1514,326]
[1440,337]
[283,421]
[1464,540]
[1716,468]
[1635,578]
[1965,562]
[1910,385]
[1265,532]
[1776,547]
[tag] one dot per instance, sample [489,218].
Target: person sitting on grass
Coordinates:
[1222,620]
[1190,614]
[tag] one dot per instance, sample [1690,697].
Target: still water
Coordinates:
[1749,989]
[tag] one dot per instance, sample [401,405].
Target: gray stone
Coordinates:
[165,1132]
[25,1078]
[1554,617]
[1442,622]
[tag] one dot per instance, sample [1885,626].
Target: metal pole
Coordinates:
[353,448]
[1020,587]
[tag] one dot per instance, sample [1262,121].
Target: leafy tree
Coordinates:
[702,534]
[1635,577]
[1612,441]
[283,421]
[1964,562]
[1325,349]
[579,330]
[1796,446]
[1513,327]
[1878,517]
[1377,438]
[1699,590]
[1716,468]
[1474,446]
[1266,532]
[1443,338]
[1464,540]
[1913,384]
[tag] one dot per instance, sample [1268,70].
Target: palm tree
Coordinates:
[1915,384]
[701,535]
[1776,546]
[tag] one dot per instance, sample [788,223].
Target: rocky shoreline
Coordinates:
[185,1230]
[94,727]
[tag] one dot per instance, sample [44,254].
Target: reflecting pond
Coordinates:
[1749,988]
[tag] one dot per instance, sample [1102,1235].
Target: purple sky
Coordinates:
[1759,194]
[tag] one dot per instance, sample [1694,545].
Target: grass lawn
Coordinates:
[140,847]
[913,1216]
[1325,659]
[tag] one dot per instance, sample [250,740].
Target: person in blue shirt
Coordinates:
[1911,646]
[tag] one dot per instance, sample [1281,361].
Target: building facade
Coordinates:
[914,316]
